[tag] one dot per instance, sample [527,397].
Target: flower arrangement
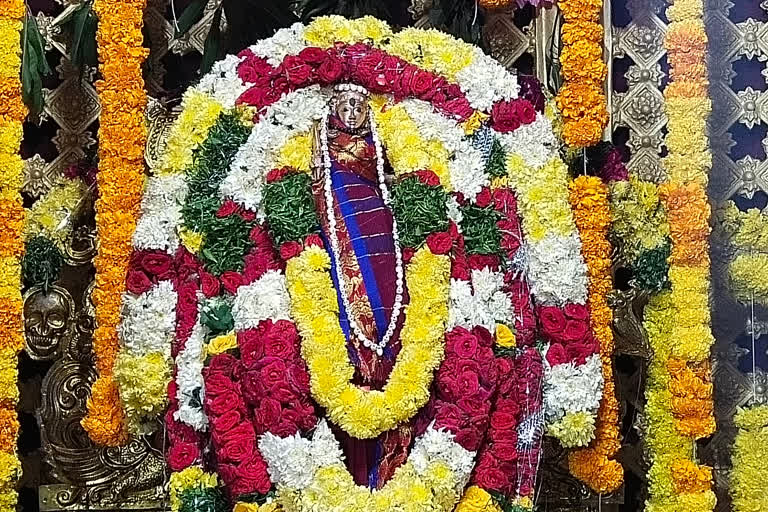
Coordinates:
[596,465]
[12,115]
[679,392]
[486,242]
[581,100]
[122,137]
[749,451]
[747,234]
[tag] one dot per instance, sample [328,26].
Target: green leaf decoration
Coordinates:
[496,166]
[217,317]
[225,244]
[212,48]
[202,500]
[419,210]
[33,66]
[191,16]
[83,23]
[42,262]
[481,234]
[651,268]
[290,208]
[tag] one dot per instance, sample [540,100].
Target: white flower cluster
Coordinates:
[536,142]
[286,41]
[160,213]
[293,461]
[556,270]
[480,302]
[293,114]
[189,379]
[148,321]
[223,83]
[570,388]
[265,298]
[467,165]
[485,81]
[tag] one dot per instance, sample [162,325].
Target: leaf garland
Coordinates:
[290,208]
[34,65]
[480,229]
[42,262]
[419,210]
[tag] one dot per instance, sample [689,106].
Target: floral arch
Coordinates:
[230,325]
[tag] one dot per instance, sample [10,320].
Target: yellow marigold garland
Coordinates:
[122,137]
[365,414]
[581,100]
[750,450]
[747,233]
[12,114]
[679,391]
[595,465]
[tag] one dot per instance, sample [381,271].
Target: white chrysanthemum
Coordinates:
[286,41]
[293,114]
[454,211]
[266,298]
[483,302]
[189,378]
[556,270]
[148,321]
[160,213]
[535,142]
[223,82]
[289,460]
[440,445]
[485,82]
[572,388]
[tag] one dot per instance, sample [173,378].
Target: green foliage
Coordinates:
[216,315]
[34,66]
[225,244]
[82,23]
[497,167]
[651,268]
[481,234]
[290,208]
[202,500]
[419,210]
[42,262]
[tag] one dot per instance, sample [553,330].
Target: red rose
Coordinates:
[484,336]
[440,243]
[503,421]
[469,438]
[137,282]
[223,403]
[552,321]
[484,198]
[252,477]
[255,70]
[504,116]
[459,107]
[460,269]
[290,250]
[285,428]
[421,82]
[506,452]
[579,352]
[504,201]
[299,378]
[209,284]
[260,236]
[575,330]
[182,455]
[156,263]
[526,111]
[282,346]
[227,421]
[313,55]
[466,384]
[258,262]
[186,265]
[331,70]
[231,281]
[239,449]
[481,261]
[576,311]
[277,174]
[460,342]
[448,416]
[408,253]
[490,478]
[267,416]
[272,371]
[251,346]
[556,354]
[314,240]
[427,177]
[282,392]
[296,70]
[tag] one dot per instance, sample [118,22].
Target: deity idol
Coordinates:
[342,258]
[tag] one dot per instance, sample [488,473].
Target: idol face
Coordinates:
[352,109]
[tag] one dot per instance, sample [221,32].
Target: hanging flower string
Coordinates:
[595,465]
[12,114]
[581,100]
[679,391]
[122,137]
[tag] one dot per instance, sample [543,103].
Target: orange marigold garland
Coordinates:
[12,114]
[581,100]
[679,392]
[122,137]
[595,465]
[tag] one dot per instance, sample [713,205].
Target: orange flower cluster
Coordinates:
[122,138]
[581,100]
[688,213]
[690,478]
[12,115]
[690,385]
[595,465]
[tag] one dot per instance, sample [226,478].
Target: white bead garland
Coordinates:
[376,345]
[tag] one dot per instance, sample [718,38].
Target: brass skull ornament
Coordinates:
[48,315]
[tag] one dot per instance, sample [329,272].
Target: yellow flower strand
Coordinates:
[122,138]
[12,114]
[366,414]
[750,450]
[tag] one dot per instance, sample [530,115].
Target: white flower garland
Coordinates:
[481,301]
[160,213]
[223,83]
[285,42]
[189,380]
[536,142]
[264,299]
[570,388]
[148,321]
[556,270]
[485,82]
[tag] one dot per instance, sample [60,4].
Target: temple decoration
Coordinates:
[749,452]
[337,273]
[679,391]
[122,137]
[581,99]
[12,115]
